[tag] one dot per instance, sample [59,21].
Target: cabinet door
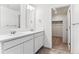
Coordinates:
[75,39]
[75,13]
[28,47]
[15,50]
[38,43]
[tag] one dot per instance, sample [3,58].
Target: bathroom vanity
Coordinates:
[22,43]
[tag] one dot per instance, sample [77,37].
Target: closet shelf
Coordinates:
[57,22]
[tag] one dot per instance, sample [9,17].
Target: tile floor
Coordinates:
[58,48]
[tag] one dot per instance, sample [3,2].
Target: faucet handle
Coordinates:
[13,32]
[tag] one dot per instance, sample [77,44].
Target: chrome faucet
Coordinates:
[13,32]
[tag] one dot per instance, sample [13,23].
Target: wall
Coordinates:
[39,18]
[23,21]
[57,17]
[65,29]
[43,19]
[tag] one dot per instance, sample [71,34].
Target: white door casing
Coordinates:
[69,28]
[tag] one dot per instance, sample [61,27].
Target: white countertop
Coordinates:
[17,35]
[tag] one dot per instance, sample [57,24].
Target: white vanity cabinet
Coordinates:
[28,47]
[14,50]
[39,41]
[23,45]
[28,44]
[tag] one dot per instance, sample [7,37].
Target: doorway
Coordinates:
[60,29]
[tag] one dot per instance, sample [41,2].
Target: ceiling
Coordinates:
[12,6]
[48,5]
[17,6]
[60,10]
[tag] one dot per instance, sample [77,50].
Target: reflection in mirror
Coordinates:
[31,17]
[16,17]
[10,16]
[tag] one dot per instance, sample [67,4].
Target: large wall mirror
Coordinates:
[10,16]
[13,16]
[31,17]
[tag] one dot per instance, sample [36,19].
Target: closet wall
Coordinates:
[57,24]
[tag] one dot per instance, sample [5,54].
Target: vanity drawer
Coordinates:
[16,41]
[39,34]
[28,38]
[8,44]
[23,39]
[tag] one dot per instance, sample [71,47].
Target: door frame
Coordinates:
[69,27]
